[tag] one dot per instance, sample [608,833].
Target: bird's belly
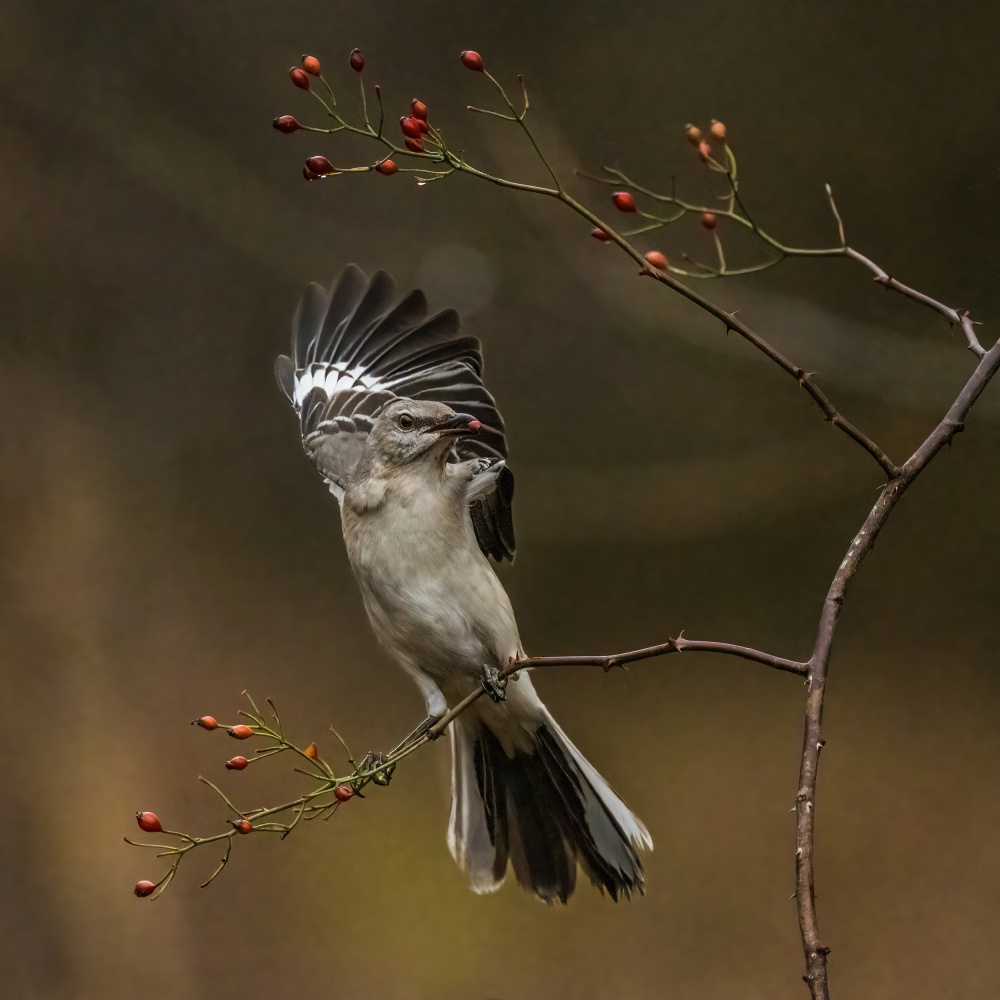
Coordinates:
[436,606]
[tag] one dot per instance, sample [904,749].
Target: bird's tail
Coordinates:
[522,792]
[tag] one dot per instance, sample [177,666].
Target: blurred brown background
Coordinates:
[165,544]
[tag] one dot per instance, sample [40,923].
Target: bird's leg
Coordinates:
[423,730]
[494,682]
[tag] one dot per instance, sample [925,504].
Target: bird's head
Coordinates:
[409,428]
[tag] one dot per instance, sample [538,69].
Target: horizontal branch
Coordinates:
[678,645]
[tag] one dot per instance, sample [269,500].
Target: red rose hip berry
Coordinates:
[241,732]
[387,167]
[343,792]
[311,65]
[624,202]
[237,764]
[148,822]
[299,77]
[657,260]
[409,127]
[472,60]
[206,722]
[144,888]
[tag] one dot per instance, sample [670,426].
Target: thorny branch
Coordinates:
[433,150]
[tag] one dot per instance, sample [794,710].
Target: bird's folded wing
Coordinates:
[354,351]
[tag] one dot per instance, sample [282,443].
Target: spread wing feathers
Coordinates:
[354,351]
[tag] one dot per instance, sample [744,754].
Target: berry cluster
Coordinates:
[323,799]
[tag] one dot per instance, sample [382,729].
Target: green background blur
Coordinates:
[166,545]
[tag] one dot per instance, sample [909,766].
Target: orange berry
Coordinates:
[243,826]
[357,60]
[206,722]
[709,221]
[387,167]
[624,202]
[693,134]
[600,234]
[299,77]
[472,60]
[237,764]
[311,751]
[343,792]
[657,260]
[144,888]
[148,822]
[718,131]
[311,65]
[241,732]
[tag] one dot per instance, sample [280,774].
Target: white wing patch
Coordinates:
[332,379]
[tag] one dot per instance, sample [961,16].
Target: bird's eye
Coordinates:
[405,421]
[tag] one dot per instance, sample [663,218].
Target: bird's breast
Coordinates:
[432,597]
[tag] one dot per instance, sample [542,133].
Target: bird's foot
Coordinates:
[423,731]
[494,683]
[382,775]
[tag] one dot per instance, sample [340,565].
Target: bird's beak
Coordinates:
[457,425]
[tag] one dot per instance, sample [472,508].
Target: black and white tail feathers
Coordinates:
[542,807]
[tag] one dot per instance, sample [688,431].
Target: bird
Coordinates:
[395,415]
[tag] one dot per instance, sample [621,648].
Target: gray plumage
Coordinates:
[395,415]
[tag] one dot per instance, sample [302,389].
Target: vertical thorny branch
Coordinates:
[436,160]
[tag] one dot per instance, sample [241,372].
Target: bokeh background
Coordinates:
[166,545]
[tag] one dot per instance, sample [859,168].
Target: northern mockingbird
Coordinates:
[396,418]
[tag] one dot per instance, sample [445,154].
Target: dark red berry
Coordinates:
[418,110]
[299,77]
[311,65]
[320,165]
[422,125]
[414,145]
[357,60]
[343,792]
[709,221]
[241,732]
[309,175]
[472,60]
[206,722]
[144,888]
[148,822]
[600,234]
[237,764]
[243,826]
[286,124]
[409,127]
[657,260]
[624,202]
[387,167]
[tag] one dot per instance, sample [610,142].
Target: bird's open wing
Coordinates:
[354,351]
